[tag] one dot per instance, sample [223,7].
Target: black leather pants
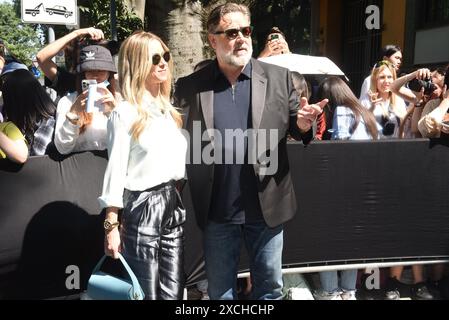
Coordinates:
[152,238]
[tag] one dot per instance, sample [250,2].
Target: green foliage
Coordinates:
[20,38]
[208,6]
[291,16]
[98,16]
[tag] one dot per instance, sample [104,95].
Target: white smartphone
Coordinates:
[85,84]
[91,86]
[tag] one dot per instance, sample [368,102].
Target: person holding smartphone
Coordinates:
[275,44]
[61,80]
[434,121]
[77,128]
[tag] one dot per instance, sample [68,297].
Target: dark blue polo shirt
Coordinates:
[234,196]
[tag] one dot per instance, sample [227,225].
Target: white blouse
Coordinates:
[392,118]
[157,157]
[67,135]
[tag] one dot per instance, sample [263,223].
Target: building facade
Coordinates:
[340,32]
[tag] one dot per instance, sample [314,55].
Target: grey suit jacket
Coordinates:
[274,107]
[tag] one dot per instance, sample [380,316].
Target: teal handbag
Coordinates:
[103,286]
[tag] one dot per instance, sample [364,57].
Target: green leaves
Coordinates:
[98,16]
[21,39]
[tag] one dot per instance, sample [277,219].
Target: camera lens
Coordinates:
[388,127]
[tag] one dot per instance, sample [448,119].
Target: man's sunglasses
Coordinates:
[157,57]
[231,34]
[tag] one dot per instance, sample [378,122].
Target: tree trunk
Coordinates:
[138,6]
[179,24]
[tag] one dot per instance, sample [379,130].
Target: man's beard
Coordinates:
[240,61]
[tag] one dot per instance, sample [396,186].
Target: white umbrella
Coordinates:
[305,65]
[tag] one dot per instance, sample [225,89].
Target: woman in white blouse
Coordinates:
[79,129]
[147,154]
[388,109]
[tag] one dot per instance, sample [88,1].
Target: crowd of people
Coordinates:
[133,114]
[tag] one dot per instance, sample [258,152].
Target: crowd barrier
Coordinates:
[360,203]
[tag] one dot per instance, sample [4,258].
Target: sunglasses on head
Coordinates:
[233,33]
[383,63]
[157,57]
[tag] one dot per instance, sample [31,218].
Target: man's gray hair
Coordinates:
[218,12]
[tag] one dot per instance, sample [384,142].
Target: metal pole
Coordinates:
[113,20]
[51,37]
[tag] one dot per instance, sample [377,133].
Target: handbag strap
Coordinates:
[131,274]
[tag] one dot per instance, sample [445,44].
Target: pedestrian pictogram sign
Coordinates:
[50,11]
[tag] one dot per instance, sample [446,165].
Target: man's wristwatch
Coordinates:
[108,225]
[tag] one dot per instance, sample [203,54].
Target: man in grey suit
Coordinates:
[238,112]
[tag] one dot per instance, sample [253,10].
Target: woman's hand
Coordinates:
[422,74]
[373,97]
[107,99]
[433,126]
[112,243]
[274,47]
[92,33]
[445,129]
[79,106]
[421,99]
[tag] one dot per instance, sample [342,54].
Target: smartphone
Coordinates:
[85,84]
[91,86]
[274,36]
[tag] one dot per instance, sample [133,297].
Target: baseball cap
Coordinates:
[96,58]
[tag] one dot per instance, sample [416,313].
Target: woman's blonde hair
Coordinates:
[381,66]
[134,66]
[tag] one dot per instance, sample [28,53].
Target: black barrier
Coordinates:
[359,202]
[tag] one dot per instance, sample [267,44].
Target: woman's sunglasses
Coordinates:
[231,34]
[157,57]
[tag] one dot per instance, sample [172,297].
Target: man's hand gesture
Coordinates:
[308,113]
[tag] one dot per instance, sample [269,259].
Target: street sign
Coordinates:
[50,11]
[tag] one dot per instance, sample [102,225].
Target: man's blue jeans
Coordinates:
[222,244]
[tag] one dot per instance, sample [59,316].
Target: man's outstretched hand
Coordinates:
[308,113]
